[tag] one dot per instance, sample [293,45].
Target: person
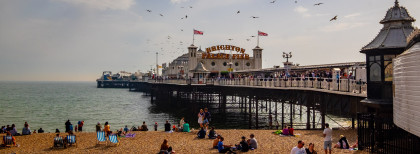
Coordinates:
[299,148]
[26,124]
[26,130]
[57,130]
[13,130]
[75,128]
[126,129]
[310,149]
[179,129]
[81,123]
[327,138]
[291,131]
[212,133]
[13,139]
[342,143]
[98,127]
[216,141]
[252,142]
[144,127]
[207,117]
[156,126]
[2,129]
[201,133]
[40,130]
[58,140]
[107,129]
[34,132]
[167,126]
[65,139]
[243,145]
[182,122]
[165,148]
[200,117]
[68,126]
[174,128]
[71,127]
[285,131]
[223,148]
[186,127]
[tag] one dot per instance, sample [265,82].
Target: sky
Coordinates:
[75,40]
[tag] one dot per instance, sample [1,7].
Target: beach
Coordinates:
[181,142]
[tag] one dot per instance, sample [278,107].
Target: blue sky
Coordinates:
[75,40]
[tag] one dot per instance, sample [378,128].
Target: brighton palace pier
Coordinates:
[383,103]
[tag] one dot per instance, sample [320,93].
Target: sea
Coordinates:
[48,105]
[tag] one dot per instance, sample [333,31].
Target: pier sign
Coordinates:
[209,55]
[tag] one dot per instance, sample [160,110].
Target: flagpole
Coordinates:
[258,39]
[193,36]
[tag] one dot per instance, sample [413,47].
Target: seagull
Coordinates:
[186,16]
[149,10]
[252,36]
[273,1]
[238,12]
[190,7]
[335,18]
[254,17]
[318,3]
[248,39]
[230,39]
[182,30]
[161,15]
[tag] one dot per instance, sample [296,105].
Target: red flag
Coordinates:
[197,32]
[262,34]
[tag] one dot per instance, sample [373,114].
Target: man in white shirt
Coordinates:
[252,142]
[299,148]
[327,138]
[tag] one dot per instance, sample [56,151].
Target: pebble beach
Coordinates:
[182,143]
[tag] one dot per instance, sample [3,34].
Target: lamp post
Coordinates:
[287,64]
[230,69]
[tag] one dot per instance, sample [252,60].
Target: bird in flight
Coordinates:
[335,18]
[318,4]
[149,10]
[190,7]
[238,12]
[252,36]
[254,17]
[230,39]
[161,15]
[273,1]
[248,39]
[182,30]
[186,16]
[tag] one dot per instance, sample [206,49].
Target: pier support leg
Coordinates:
[291,114]
[275,117]
[250,112]
[308,117]
[256,112]
[282,114]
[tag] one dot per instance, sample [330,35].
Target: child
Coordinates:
[156,126]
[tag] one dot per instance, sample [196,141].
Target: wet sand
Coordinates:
[149,142]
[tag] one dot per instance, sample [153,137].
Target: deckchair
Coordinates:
[71,139]
[8,141]
[114,139]
[58,142]
[100,135]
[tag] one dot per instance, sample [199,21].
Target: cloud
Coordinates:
[303,11]
[178,1]
[352,15]
[103,4]
[342,26]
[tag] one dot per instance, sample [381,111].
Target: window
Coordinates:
[248,64]
[388,67]
[213,63]
[375,68]
[224,63]
[236,64]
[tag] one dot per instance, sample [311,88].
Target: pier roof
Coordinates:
[307,67]
[200,69]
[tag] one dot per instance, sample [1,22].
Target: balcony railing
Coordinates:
[342,85]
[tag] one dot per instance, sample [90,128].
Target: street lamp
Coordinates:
[287,64]
[287,56]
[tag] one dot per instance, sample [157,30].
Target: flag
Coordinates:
[262,34]
[197,32]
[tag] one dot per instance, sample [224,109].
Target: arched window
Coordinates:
[213,63]
[224,63]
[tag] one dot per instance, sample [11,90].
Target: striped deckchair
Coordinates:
[71,139]
[58,142]
[114,139]
[8,140]
[100,135]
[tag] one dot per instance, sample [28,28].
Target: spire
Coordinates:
[397,4]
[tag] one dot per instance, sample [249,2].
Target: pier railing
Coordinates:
[342,85]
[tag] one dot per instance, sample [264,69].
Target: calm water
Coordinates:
[50,104]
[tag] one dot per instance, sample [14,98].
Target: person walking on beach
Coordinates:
[299,149]
[81,123]
[200,118]
[207,117]
[98,127]
[67,125]
[327,138]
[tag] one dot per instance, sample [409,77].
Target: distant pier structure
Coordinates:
[119,80]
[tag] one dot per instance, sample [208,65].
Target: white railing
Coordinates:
[342,85]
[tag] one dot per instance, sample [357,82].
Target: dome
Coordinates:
[397,13]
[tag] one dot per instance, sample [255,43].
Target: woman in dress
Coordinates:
[200,118]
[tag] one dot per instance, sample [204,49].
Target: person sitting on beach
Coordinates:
[167,126]
[342,143]
[179,128]
[107,129]
[126,129]
[243,145]
[186,127]
[174,128]
[26,124]
[98,127]
[216,141]
[13,139]
[285,131]
[201,133]
[252,142]
[40,130]
[13,130]
[299,149]
[291,131]
[26,130]
[212,133]
[165,148]
[144,127]
[223,148]
[58,140]
[34,132]
[311,149]
[65,139]
[182,122]
[57,130]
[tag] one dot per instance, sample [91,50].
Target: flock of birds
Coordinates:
[172,44]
